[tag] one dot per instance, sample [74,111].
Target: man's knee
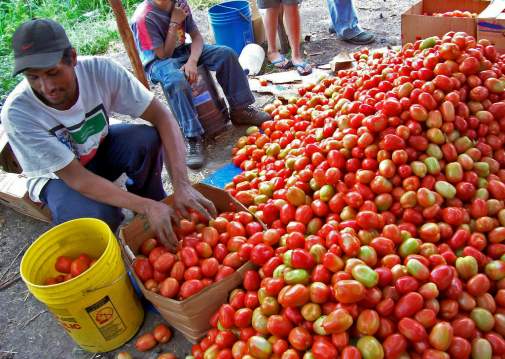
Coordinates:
[66,212]
[65,205]
[149,139]
[113,216]
[226,53]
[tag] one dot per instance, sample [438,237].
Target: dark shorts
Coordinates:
[267,4]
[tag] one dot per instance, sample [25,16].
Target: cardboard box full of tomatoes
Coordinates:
[182,286]
[435,18]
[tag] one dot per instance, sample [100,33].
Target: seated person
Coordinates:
[57,123]
[160,28]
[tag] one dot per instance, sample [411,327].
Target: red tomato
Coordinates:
[190,288]
[63,264]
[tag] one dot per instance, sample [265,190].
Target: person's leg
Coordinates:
[270,21]
[292,24]
[234,82]
[178,92]
[343,18]
[66,204]
[229,74]
[137,151]
[345,22]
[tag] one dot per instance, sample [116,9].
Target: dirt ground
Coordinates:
[27,330]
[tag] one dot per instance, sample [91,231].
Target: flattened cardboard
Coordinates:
[13,194]
[13,189]
[342,61]
[491,25]
[190,316]
[416,26]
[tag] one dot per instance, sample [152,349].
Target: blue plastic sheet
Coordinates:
[222,176]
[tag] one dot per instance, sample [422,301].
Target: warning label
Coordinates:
[106,318]
[66,320]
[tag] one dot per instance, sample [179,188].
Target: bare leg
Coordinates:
[271,20]
[292,24]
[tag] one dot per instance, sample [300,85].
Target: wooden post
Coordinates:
[128,41]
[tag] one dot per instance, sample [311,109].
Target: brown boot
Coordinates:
[249,116]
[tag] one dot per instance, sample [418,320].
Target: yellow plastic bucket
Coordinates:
[99,308]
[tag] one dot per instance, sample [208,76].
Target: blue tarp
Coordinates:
[222,176]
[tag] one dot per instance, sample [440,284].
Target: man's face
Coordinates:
[56,86]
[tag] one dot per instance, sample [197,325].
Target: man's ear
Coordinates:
[74,57]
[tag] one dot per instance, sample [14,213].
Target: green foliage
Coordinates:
[90,26]
[203,4]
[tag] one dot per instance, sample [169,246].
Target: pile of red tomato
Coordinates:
[456,13]
[208,253]
[383,190]
[70,267]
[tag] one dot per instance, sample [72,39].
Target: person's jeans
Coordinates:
[344,19]
[177,89]
[132,149]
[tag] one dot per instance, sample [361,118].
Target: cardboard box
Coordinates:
[13,194]
[491,25]
[416,26]
[190,316]
[13,189]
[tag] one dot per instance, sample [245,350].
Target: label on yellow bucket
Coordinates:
[66,320]
[106,318]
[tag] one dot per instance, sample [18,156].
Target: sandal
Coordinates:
[303,68]
[281,63]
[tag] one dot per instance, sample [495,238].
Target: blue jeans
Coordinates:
[132,149]
[177,89]
[344,18]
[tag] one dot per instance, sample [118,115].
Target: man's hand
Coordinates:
[178,15]
[188,197]
[160,218]
[191,70]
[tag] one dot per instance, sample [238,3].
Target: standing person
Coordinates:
[160,28]
[57,123]
[344,22]
[293,30]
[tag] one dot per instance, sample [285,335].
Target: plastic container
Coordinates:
[251,59]
[231,24]
[99,308]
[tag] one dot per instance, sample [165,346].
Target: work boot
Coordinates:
[363,38]
[249,116]
[195,157]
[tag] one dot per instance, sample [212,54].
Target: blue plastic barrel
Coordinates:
[231,24]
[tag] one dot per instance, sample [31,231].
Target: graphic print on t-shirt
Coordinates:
[180,37]
[83,139]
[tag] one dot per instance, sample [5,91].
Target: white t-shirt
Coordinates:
[45,140]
